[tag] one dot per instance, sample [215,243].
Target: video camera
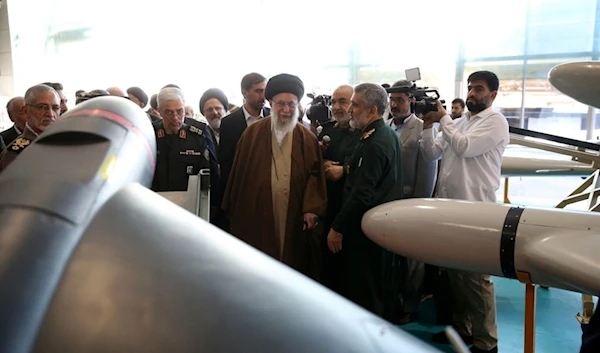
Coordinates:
[422,102]
[320,107]
[84,96]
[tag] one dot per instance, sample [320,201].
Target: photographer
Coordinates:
[320,116]
[418,178]
[471,148]
[338,147]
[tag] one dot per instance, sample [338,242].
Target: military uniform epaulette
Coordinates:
[367,134]
[18,145]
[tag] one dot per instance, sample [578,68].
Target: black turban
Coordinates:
[214,93]
[139,94]
[284,83]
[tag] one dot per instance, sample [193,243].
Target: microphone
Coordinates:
[326,139]
[48,196]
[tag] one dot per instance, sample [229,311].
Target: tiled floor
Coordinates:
[557,330]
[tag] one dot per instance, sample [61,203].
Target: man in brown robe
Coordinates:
[276,190]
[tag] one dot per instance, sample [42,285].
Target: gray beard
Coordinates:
[215,124]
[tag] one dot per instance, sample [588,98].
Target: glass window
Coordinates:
[510,92]
[548,110]
[494,30]
[560,26]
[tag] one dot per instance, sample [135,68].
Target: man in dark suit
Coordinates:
[233,126]
[18,116]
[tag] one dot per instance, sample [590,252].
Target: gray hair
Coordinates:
[11,103]
[38,89]
[373,95]
[169,94]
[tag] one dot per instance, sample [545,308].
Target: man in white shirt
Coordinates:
[471,149]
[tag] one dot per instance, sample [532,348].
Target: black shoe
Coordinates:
[406,318]
[479,350]
[441,338]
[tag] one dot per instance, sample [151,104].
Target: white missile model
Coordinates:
[513,166]
[551,247]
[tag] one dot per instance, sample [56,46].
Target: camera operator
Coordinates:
[320,116]
[471,148]
[418,178]
[342,139]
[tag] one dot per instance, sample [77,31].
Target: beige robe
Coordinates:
[281,168]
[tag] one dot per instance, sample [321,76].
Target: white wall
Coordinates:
[6,66]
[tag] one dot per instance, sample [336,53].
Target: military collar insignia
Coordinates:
[195,130]
[367,134]
[20,143]
[161,133]
[182,134]
[190,153]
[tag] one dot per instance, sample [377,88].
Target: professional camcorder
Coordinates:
[84,96]
[423,102]
[320,108]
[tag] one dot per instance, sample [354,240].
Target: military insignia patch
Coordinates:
[20,143]
[161,133]
[367,134]
[195,130]
[182,134]
[206,154]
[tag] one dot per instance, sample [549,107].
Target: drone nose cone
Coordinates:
[449,233]
[578,80]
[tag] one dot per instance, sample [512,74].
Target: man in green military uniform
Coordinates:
[373,178]
[182,150]
[42,105]
[338,147]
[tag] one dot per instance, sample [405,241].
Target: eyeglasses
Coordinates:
[398,100]
[214,109]
[171,113]
[45,107]
[282,105]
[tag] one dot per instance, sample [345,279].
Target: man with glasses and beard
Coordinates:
[276,192]
[406,276]
[42,105]
[471,149]
[182,149]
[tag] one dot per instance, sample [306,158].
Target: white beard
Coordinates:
[282,128]
[215,124]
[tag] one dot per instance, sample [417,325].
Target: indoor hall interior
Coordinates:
[88,45]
